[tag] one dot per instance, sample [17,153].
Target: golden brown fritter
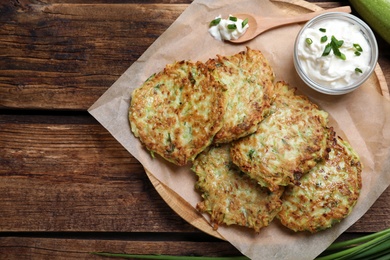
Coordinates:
[327,194]
[249,80]
[287,144]
[177,112]
[229,196]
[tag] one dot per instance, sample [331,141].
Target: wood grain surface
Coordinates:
[67,187]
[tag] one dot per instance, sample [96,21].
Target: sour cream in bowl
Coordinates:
[335,53]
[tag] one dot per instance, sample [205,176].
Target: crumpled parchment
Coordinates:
[361,117]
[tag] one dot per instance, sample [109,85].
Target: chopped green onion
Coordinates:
[338,53]
[357,70]
[327,50]
[358,47]
[309,41]
[232,26]
[245,22]
[322,29]
[215,22]
[357,53]
[336,50]
[233,18]
[336,44]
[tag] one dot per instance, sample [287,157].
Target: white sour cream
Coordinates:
[221,31]
[331,71]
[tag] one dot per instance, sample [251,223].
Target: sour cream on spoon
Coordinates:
[228,29]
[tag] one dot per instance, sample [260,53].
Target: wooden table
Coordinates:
[67,187]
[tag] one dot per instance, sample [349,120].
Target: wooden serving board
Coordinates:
[182,207]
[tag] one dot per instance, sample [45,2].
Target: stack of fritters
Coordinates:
[259,150]
[179,111]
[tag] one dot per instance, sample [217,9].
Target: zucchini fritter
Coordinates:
[249,81]
[177,112]
[229,196]
[327,194]
[287,144]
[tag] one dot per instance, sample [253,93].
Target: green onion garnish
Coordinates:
[357,53]
[232,18]
[337,42]
[309,41]
[215,22]
[322,29]
[232,26]
[358,47]
[335,45]
[327,50]
[324,39]
[357,70]
[245,22]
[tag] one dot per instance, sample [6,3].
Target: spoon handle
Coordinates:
[273,22]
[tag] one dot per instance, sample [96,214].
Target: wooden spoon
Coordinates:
[258,25]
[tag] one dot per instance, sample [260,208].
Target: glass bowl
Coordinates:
[325,72]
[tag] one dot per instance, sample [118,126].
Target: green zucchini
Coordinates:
[376,13]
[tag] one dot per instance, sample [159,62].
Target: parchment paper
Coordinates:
[362,117]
